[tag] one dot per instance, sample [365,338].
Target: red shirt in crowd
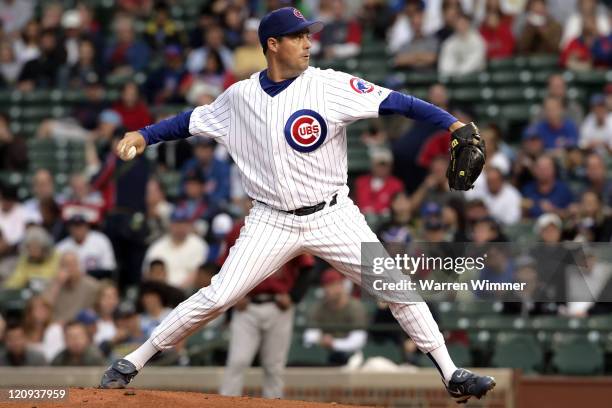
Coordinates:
[135,117]
[282,281]
[378,201]
[576,48]
[500,40]
[437,145]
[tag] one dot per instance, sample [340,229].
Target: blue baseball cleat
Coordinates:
[464,385]
[118,375]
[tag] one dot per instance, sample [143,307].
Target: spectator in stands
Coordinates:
[43,71]
[44,334]
[525,302]
[487,229]
[154,309]
[13,150]
[216,173]
[557,88]
[158,210]
[499,268]
[82,200]
[126,54]
[403,30]
[132,109]
[43,187]
[398,229]
[13,218]
[220,226]
[161,30]
[129,334]
[374,191]
[233,21]
[249,57]
[587,9]
[432,226]
[464,52]
[596,130]
[93,248]
[85,70]
[337,308]
[139,8]
[14,15]
[375,16]
[547,193]
[597,178]
[10,66]
[51,18]
[577,55]
[163,84]
[107,302]
[73,31]
[451,9]
[38,261]
[52,219]
[556,129]
[181,250]
[587,220]
[585,283]
[496,150]
[214,41]
[27,45]
[532,147]
[501,198]
[435,186]
[17,352]
[341,36]
[496,30]
[541,33]
[79,349]
[71,290]
[420,52]
[158,274]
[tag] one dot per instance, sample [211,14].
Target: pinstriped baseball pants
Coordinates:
[268,240]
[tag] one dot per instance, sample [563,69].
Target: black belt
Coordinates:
[263,298]
[311,209]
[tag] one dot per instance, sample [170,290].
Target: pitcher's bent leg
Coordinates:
[267,241]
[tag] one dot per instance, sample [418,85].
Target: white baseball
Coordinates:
[131,153]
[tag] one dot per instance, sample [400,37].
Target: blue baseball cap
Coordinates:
[283,21]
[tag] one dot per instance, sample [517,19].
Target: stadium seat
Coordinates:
[578,356]
[13,299]
[387,349]
[521,232]
[460,354]
[299,355]
[506,64]
[517,350]
[202,344]
[544,61]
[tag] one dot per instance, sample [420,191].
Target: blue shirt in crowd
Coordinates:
[560,196]
[565,136]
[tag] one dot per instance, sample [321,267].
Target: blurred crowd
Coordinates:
[105,259]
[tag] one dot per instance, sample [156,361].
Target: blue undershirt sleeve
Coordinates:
[174,128]
[417,109]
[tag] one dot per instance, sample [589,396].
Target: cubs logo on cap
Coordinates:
[305,130]
[298,13]
[361,86]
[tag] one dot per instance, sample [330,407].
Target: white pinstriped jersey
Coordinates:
[291,148]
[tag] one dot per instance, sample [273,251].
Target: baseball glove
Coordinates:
[467,157]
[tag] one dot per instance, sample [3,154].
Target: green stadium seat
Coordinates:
[202,344]
[299,355]
[512,94]
[460,354]
[507,77]
[412,79]
[170,181]
[578,356]
[544,61]
[593,78]
[387,349]
[471,94]
[358,158]
[519,351]
[497,322]
[506,64]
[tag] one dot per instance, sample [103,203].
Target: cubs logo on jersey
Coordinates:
[361,86]
[305,130]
